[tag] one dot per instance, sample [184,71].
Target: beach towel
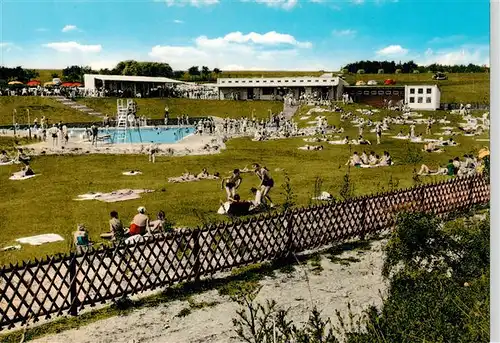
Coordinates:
[19,177]
[6,163]
[40,239]
[336,142]
[325,196]
[132,173]
[11,247]
[119,195]
[482,139]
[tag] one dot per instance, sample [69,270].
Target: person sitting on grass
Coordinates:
[231,184]
[363,141]
[354,160]
[22,157]
[27,171]
[158,225]
[431,147]
[373,159]
[345,140]
[140,223]
[4,158]
[116,227]
[364,158]
[204,174]
[386,160]
[81,238]
[238,207]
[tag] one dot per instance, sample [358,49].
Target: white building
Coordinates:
[122,82]
[423,97]
[274,88]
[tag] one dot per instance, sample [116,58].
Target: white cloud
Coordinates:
[284,4]
[68,28]
[346,32]
[465,54]
[194,3]
[445,40]
[392,51]
[269,38]
[68,47]
[177,21]
[269,50]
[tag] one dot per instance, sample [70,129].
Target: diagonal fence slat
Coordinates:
[67,284]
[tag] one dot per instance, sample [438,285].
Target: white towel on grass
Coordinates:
[324,196]
[132,173]
[19,177]
[40,239]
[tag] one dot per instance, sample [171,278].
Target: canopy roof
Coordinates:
[125,78]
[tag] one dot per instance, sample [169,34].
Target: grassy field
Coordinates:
[44,204]
[39,107]
[46,74]
[154,108]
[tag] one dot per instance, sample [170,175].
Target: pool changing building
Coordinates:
[274,88]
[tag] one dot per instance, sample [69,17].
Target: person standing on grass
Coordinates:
[54,132]
[378,130]
[231,184]
[429,127]
[94,130]
[153,149]
[266,182]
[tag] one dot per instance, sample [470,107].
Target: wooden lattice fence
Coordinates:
[66,284]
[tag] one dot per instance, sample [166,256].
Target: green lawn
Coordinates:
[45,75]
[44,204]
[39,107]
[154,108]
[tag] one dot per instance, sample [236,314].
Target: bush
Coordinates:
[416,72]
[361,71]
[380,71]
[398,71]
[345,71]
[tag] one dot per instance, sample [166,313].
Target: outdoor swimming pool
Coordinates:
[161,135]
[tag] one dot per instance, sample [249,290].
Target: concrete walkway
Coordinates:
[80,107]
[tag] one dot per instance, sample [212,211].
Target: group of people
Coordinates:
[470,165]
[371,160]
[232,183]
[20,158]
[140,225]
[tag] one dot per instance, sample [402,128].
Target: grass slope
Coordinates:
[44,204]
[154,108]
[39,107]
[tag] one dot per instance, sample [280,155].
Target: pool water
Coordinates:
[142,135]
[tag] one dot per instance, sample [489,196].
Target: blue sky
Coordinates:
[243,34]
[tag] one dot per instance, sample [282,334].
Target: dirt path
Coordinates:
[354,276]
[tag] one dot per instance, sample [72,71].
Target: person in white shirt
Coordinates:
[53,131]
[354,160]
[364,158]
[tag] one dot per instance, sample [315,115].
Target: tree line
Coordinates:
[391,67]
[17,74]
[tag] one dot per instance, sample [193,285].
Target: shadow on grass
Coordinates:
[240,281]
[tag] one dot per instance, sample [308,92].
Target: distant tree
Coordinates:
[178,74]
[217,71]
[345,71]
[194,71]
[54,75]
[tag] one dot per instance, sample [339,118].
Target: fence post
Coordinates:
[196,254]
[289,233]
[73,289]
[362,219]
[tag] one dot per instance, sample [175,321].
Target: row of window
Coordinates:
[378,93]
[421,91]
[271,81]
[420,100]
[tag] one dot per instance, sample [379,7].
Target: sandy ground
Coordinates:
[359,283]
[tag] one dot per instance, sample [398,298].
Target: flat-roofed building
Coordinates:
[135,84]
[423,97]
[274,88]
